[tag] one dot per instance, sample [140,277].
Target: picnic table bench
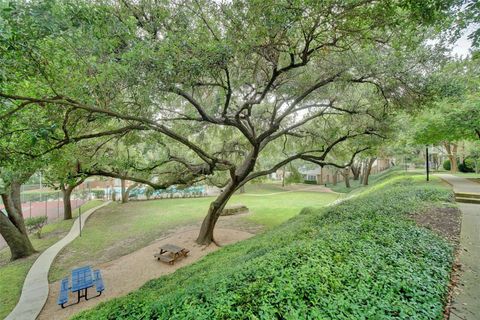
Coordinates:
[169,253]
[99,286]
[63,296]
[82,279]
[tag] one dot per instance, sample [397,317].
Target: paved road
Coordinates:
[466,304]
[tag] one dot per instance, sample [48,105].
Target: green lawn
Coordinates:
[264,188]
[272,210]
[119,229]
[361,259]
[12,274]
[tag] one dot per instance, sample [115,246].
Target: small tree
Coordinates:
[295,176]
[149,192]
[35,224]
[473,150]
[367,169]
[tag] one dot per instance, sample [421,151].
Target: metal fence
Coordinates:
[38,200]
[48,202]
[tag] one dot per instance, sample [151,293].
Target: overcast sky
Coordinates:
[462,46]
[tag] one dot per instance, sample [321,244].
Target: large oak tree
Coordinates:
[239,88]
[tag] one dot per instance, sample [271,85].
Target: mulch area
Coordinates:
[447,223]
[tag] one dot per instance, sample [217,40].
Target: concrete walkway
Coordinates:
[466,301]
[460,184]
[35,288]
[466,305]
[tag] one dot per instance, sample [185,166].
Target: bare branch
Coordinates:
[201,111]
[15,110]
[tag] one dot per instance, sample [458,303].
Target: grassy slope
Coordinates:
[119,229]
[373,179]
[12,274]
[360,259]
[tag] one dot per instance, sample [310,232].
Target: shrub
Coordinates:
[98,193]
[149,192]
[294,177]
[35,224]
[447,165]
[360,259]
[468,165]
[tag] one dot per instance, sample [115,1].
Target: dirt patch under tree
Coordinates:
[131,271]
[446,222]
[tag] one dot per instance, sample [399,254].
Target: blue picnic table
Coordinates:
[82,279]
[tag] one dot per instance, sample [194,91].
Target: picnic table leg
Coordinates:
[86,293]
[78,296]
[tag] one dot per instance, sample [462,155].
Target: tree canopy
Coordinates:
[227,91]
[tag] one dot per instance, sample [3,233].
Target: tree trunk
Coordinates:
[126,194]
[283,177]
[15,206]
[206,231]
[18,243]
[124,191]
[368,169]
[12,226]
[335,178]
[242,189]
[452,155]
[67,190]
[346,177]
[356,171]
[435,161]
[362,170]
[114,195]
[67,205]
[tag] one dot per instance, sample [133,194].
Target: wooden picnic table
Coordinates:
[170,253]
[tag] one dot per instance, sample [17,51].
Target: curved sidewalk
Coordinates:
[460,184]
[35,288]
[466,300]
